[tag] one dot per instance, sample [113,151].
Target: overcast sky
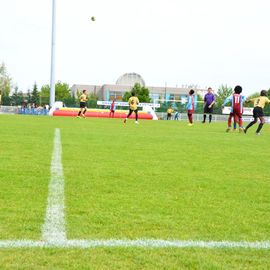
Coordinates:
[173,42]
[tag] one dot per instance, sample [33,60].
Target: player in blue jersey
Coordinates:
[191,105]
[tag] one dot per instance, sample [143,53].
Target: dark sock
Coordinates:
[210,118]
[79,113]
[204,117]
[259,127]
[250,124]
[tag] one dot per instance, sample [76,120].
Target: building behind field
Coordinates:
[126,82]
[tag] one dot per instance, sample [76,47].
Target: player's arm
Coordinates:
[213,102]
[189,102]
[250,100]
[227,100]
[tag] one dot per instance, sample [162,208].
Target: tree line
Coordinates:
[63,93]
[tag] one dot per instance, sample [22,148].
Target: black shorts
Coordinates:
[112,111]
[130,111]
[82,104]
[208,110]
[258,112]
[169,115]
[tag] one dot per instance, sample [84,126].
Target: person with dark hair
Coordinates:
[190,107]
[209,101]
[133,107]
[237,101]
[83,108]
[259,104]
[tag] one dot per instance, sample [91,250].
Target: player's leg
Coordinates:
[229,122]
[235,120]
[260,125]
[84,111]
[251,124]
[79,113]
[256,115]
[130,112]
[204,118]
[240,121]
[190,118]
[210,118]
[210,111]
[136,113]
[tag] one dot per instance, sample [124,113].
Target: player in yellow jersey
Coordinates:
[83,108]
[259,104]
[133,107]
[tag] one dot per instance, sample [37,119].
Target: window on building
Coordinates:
[116,95]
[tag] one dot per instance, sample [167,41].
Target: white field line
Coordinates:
[54,225]
[143,243]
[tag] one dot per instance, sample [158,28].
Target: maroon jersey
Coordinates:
[237,103]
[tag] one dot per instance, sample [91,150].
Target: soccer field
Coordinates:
[98,194]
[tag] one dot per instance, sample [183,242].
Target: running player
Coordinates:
[133,107]
[190,107]
[237,101]
[83,108]
[259,104]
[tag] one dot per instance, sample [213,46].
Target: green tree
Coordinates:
[44,94]
[62,93]
[223,92]
[5,85]
[17,97]
[92,100]
[140,91]
[5,80]
[28,95]
[35,95]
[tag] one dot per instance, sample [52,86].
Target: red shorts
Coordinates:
[190,111]
[237,112]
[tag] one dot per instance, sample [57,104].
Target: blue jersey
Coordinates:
[191,105]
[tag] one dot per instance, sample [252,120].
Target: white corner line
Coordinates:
[139,243]
[54,225]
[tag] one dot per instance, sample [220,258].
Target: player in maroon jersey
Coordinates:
[112,109]
[236,101]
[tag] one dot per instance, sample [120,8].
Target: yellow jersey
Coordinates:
[260,101]
[133,103]
[169,111]
[83,98]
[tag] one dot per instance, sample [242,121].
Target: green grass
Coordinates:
[160,179]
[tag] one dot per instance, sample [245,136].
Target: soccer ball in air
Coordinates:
[93,18]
